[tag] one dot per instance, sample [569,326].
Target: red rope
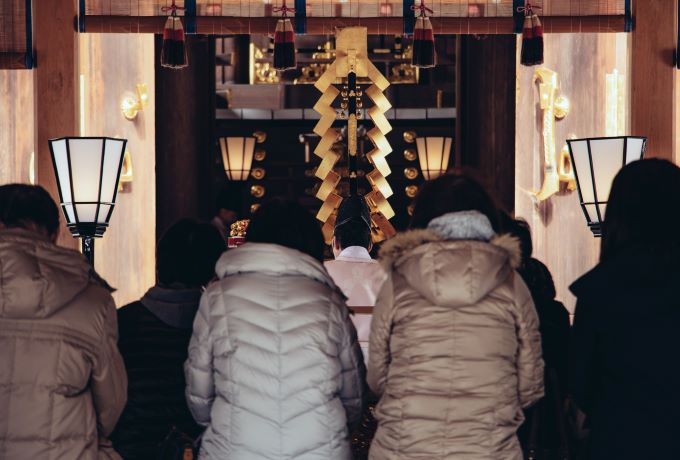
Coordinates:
[172,8]
[528,9]
[422,8]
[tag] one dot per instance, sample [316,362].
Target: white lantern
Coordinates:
[237,156]
[434,154]
[596,161]
[87,171]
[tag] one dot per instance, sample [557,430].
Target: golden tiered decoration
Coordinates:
[352,56]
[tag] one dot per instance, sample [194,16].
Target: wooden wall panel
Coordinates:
[561,238]
[16,125]
[112,65]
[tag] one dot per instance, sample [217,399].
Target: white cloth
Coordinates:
[360,278]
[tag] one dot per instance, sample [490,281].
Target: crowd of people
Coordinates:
[255,353]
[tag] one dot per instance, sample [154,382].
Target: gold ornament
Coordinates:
[409,137]
[258,173]
[410,155]
[239,228]
[352,57]
[260,136]
[257,191]
[411,191]
[260,154]
[254,207]
[410,173]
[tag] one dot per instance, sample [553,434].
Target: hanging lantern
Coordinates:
[434,154]
[88,170]
[174,51]
[596,162]
[284,41]
[424,54]
[237,156]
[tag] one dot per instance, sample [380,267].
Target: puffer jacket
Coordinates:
[274,370]
[455,347]
[62,380]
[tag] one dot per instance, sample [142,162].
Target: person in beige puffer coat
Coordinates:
[62,381]
[455,347]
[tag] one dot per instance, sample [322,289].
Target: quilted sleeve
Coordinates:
[379,343]
[529,356]
[109,379]
[353,386]
[200,390]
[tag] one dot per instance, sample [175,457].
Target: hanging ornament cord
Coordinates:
[424,55]
[174,52]
[532,36]
[284,40]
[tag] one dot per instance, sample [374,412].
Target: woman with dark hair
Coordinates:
[455,348]
[154,335]
[275,370]
[624,373]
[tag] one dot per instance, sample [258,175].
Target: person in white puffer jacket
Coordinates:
[275,370]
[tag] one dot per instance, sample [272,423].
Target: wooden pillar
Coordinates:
[55,86]
[185,145]
[653,76]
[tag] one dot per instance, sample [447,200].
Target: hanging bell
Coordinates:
[174,52]
[284,45]
[424,54]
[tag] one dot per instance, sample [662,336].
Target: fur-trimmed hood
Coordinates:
[451,272]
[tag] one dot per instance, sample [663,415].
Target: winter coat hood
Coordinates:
[174,307]
[63,275]
[428,259]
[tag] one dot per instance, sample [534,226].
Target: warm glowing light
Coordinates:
[615,104]
[237,156]
[82,104]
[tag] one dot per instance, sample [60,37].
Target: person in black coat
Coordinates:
[546,418]
[154,335]
[625,372]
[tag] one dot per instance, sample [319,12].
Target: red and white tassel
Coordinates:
[537,39]
[532,36]
[424,53]
[174,51]
[284,45]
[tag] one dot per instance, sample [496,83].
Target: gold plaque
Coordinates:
[410,173]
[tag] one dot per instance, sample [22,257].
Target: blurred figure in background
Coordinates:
[62,380]
[154,337]
[275,370]
[455,351]
[227,204]
[356,274]
[545,428]
[624,370]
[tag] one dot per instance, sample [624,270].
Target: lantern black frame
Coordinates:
[90,230]
[596,226]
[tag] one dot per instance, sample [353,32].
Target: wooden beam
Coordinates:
[652,76]
[55,86]
[224,25]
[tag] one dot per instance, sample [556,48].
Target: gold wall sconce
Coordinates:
[410,137]
[410,173]
[410,155]
[257,191]
[411,191]
[126,174]
[131,105]
[258,173]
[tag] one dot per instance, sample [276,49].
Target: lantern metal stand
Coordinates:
[87,171]
[596,161]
